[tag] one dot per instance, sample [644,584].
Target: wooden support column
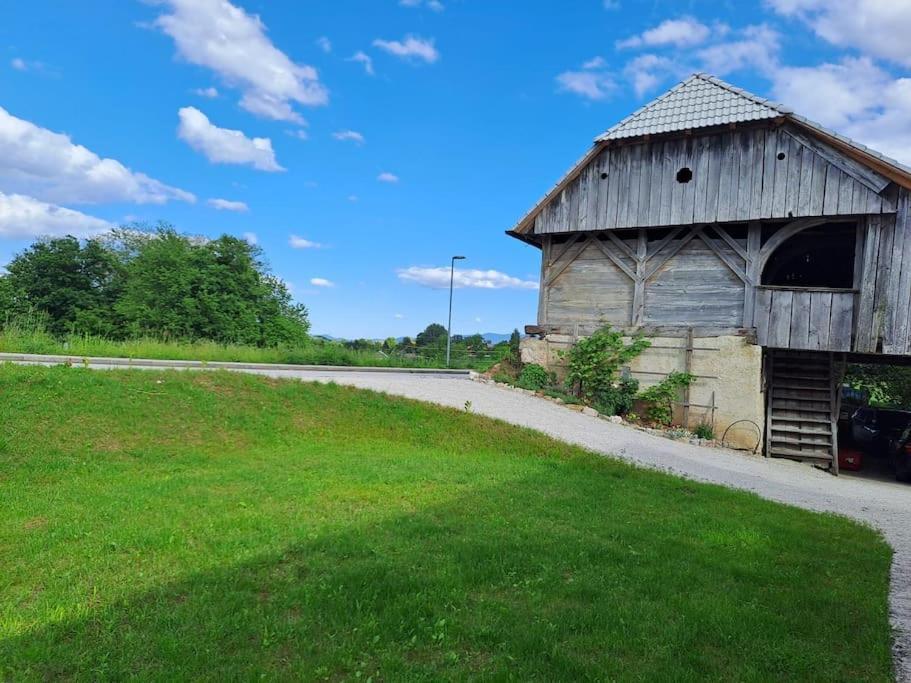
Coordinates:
[639,282]
[754,274]
[688,369]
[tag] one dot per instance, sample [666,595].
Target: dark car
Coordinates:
[873,429]
[900,453]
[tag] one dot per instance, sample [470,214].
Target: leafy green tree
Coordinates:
[431,335]
[73,284]
[594,362]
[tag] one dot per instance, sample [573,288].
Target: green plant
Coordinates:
[632,417]
[616,398]
[503,378]
[660,397]
[533,377]
[594,362]
[562,395]
[704,431]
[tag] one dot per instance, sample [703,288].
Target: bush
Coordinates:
[660,397]
[595,362]
[533,377]
[617,399]
[704,431]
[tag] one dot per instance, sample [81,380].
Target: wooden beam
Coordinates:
[671,253]
[639,286]
[614,258]
[567,257]
[710,243]
[784,234]
[730,241]
[861,173]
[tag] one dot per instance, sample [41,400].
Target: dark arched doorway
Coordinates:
[821,256]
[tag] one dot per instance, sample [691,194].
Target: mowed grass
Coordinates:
[169,525]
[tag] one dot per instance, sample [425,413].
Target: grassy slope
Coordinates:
[216,526]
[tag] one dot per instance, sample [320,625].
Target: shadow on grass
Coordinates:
[535,580]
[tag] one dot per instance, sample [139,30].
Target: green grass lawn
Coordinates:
[226,527]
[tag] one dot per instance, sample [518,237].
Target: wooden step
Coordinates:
[822,444]
[807,406]
[787,416]
[803,386]
[810,431]
[800,455]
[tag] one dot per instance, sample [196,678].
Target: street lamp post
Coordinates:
[449,324]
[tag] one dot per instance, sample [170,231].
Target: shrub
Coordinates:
[533,377]
[594,362]
[503,378]
[704,431]
[660,397]
[617,398]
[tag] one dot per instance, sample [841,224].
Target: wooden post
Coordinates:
[639,283]
[688,368]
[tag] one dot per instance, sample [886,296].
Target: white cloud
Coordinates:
[227,205]
[24,217]
[647,71]
[755,47]
[321,282]
[386,177]
[19,64]
[399,316]
[349,136]
[854,96]
[324,44]
[223,145]
[412,48]
[209,93]
[595,63]
[48,165]
[363,58]
[434,5]
[224,38]
[593,85]
[438,278]
[250,237]
[682,32]
[877,27]
[299,133]
[296,242]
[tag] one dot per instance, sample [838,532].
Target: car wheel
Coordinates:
[902,467]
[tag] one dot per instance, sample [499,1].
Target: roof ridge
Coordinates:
[687,91]
[764,101]
[646,107]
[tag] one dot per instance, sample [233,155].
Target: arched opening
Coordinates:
[821,256]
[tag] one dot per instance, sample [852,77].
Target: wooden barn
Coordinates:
[759,250]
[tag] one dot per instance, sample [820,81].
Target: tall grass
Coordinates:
[33,338]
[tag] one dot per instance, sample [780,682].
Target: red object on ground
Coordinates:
[850,458]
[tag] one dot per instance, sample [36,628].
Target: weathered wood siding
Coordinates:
[809,320]
[592,291]
[694,287]
[737,176]
[884,299]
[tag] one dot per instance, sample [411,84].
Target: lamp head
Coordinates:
[458,258]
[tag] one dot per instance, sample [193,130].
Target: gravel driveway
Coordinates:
[882,504]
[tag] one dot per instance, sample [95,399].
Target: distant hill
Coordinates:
[495,337]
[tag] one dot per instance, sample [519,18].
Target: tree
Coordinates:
[160,283]
[74,285]
[433,333]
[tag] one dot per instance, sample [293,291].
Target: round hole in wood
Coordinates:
[604,176]
[684,175]
[781,156]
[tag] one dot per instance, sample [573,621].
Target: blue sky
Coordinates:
[361,144]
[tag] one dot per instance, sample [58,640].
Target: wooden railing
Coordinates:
[807,318]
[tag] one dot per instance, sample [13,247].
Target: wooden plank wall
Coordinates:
[884,300]
[809,320]
[737,176]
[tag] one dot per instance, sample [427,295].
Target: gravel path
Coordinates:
[882,504]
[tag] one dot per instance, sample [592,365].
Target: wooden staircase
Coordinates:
[802,407]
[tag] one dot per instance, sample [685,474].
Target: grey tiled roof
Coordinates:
[700,101]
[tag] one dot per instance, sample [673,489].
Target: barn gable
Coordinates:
[746,158]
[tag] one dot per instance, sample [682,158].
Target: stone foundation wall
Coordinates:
[729,376]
